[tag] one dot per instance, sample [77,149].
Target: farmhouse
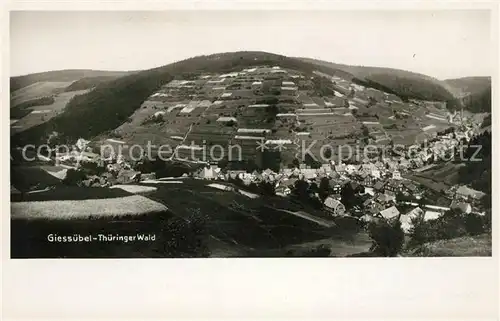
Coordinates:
[207,173]
[335,206]
[390,213]
[396,175]
[379,186]
[393,187]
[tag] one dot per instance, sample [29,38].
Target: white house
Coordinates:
[208,173]
[431,215]
[283,191]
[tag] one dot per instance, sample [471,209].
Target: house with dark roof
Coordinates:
[392,187]
[409,187]
[366,179]
[379,186]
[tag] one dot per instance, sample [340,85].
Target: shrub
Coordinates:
[451,224]
[387,238]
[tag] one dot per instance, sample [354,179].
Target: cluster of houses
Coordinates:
[378,188]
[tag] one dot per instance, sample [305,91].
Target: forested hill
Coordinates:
[112,102]
[473,93]
[19,82]
[115,97]
[403,83]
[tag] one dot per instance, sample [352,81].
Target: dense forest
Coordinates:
[477,171]
[400,82]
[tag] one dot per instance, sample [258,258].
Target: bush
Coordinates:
[451,224]
[387,238]
[92,168]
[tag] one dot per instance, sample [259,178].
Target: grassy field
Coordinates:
[91,211]
[438,178]
[37,90]
[29,238]
[229,224]
[72,193]
[26,178]
[70,209]
[238,220]
[447,173]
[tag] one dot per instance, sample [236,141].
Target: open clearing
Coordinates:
[41,114]
[37,90]
[237,220]
[135,189]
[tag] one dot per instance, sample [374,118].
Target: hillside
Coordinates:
[88,82]
[469,85]
[19,82]
[479,245]
[123,106]
[112,102]
[400,82]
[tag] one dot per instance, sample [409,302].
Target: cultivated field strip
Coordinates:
[71,209]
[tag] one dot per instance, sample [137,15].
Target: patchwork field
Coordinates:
[443,173]
[37,90]
[41,114]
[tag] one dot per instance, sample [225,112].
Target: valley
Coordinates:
[310,154]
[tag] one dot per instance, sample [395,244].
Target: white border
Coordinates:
[450,288]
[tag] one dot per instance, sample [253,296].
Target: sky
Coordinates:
[443,44]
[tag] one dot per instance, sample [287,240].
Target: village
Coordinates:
[278,107]
[376,189]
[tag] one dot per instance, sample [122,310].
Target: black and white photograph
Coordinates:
[250,134]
